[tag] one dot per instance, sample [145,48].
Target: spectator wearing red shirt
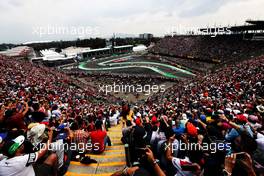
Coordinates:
[99,138]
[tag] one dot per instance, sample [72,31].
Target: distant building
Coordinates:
[19,52]
[51,58]
[95,53]
[73,51]
[123,49]
[146,36]
[104,52]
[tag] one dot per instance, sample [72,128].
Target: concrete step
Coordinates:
[115,147]
[87,174]
[110,161]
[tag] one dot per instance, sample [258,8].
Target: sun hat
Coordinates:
[35,133]
[260,108]
[31,125]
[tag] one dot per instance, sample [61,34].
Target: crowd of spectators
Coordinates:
[41,105]
[222,110]
[221,48]
[194,66]
[220,113]
[111,79]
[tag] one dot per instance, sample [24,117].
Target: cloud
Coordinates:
[8,4]
[15,3]
[18,18]
[202,7]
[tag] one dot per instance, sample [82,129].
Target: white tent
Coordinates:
[139,48]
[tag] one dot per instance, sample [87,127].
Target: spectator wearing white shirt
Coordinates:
[17,163]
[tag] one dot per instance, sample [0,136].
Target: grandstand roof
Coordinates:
[124,46]
[247,28]
[251,26]
[105,49]
[33,42]
[50,55]
[95,50]
[73,51]
[255,22]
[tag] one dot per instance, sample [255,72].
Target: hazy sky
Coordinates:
[38,20]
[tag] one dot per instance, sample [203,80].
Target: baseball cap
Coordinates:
[241,118]
[138,121]
[62,126]
[13,146]
[2,136]
[253,118]
[191,129]
[203,117]
[62,136]
[154,120]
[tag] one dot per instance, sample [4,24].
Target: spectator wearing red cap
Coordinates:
[155,122]
[138,122]
[241,119]
[240,125]
[138,140]
[191,129]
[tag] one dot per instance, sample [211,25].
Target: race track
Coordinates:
[129,62]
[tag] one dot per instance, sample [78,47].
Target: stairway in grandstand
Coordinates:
[113,159]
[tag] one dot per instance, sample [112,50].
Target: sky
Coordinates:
[45,20]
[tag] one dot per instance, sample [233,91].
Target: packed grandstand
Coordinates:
[208,121]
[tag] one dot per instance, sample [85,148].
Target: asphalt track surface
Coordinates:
[129,62]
